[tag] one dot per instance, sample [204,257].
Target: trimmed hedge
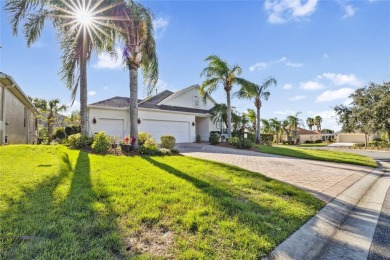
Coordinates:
[167,141]
[78,141]
[142,137]
[266,139]
[214,138]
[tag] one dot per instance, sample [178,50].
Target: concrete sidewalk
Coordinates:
[345,228]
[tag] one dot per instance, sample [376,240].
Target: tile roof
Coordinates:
[151,103]
[302,131]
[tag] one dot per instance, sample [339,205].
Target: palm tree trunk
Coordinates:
[258,125]
[83,90]
[134,104]
[229,114]
[50,122]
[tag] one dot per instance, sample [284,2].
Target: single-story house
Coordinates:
[307,135]
[182,114]
[18,123]
[355,137]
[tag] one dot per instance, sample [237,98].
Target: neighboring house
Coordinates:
[60,120]
[356,137]
[182,114]
[307,135]
[18,124]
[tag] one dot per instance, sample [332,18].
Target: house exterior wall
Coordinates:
[353,138]
[313,137]
[144,114]
[16,125]
[187,99]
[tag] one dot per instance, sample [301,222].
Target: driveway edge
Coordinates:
[310,239]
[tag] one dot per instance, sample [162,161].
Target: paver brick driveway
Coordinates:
[324,180]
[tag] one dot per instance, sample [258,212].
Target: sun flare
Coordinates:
[84,17]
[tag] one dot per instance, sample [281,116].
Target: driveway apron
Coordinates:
[324,180]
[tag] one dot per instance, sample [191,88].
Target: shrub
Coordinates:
[164,151]
[198,139]
[377,139]
[318,141]
[233,140]
[150,144]
[142,137]
[309,142]
[101,142]
[175,151]
[244,144]
[78,141]
[223,138]
[59,133]
[266,139]
[73,129]
[167,141]
[358,145]
[147,151]
[214,139]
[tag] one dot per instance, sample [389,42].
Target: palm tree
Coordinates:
[219,72]
[81,29]
[139,51]
[219,114]
[51,108]
[256,92]
[286,128]
[252,117]
[266,126]
[294,121]
[310,123]
[276,126]
[317,122]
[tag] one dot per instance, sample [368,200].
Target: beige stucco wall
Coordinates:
[304,138]
[187,99]
[353,138]
[15,130]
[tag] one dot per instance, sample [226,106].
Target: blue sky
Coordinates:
[318,51]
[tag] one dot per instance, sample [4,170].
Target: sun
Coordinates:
[84,17]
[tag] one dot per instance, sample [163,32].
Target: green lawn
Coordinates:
[313,145]
[319,155]
[57,203]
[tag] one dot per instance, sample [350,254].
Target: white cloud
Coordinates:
[70,108]
[105,61]
[311,85]
[285,112]
[342,79]
[297,98]
[287,86]
[160,25]
[325,56]
[258,66]
[328,119]
[91,93]
[349,11]
[281,11]
[288,63]
[331,95]
[105,88]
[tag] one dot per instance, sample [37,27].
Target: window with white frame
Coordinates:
[196,101]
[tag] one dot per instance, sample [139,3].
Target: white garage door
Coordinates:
[179,129]
[113,127]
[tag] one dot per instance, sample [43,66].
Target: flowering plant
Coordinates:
[129,140]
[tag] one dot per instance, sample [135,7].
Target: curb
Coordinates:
[310,239]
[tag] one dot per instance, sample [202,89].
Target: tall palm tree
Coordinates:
[256,92]
[276,126]
[310,123]
[51,108]
[294,121]
[286,128]
[139,51]
[317,122]
[251,113]
[81,29]
[219,72]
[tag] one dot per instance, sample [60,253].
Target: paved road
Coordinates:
[323,179]
[376,155]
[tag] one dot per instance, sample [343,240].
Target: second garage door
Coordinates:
[179,129]
[113,127]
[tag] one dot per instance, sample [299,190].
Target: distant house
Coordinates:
[181,114]
[307,135]
[354,137]
[18,124]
